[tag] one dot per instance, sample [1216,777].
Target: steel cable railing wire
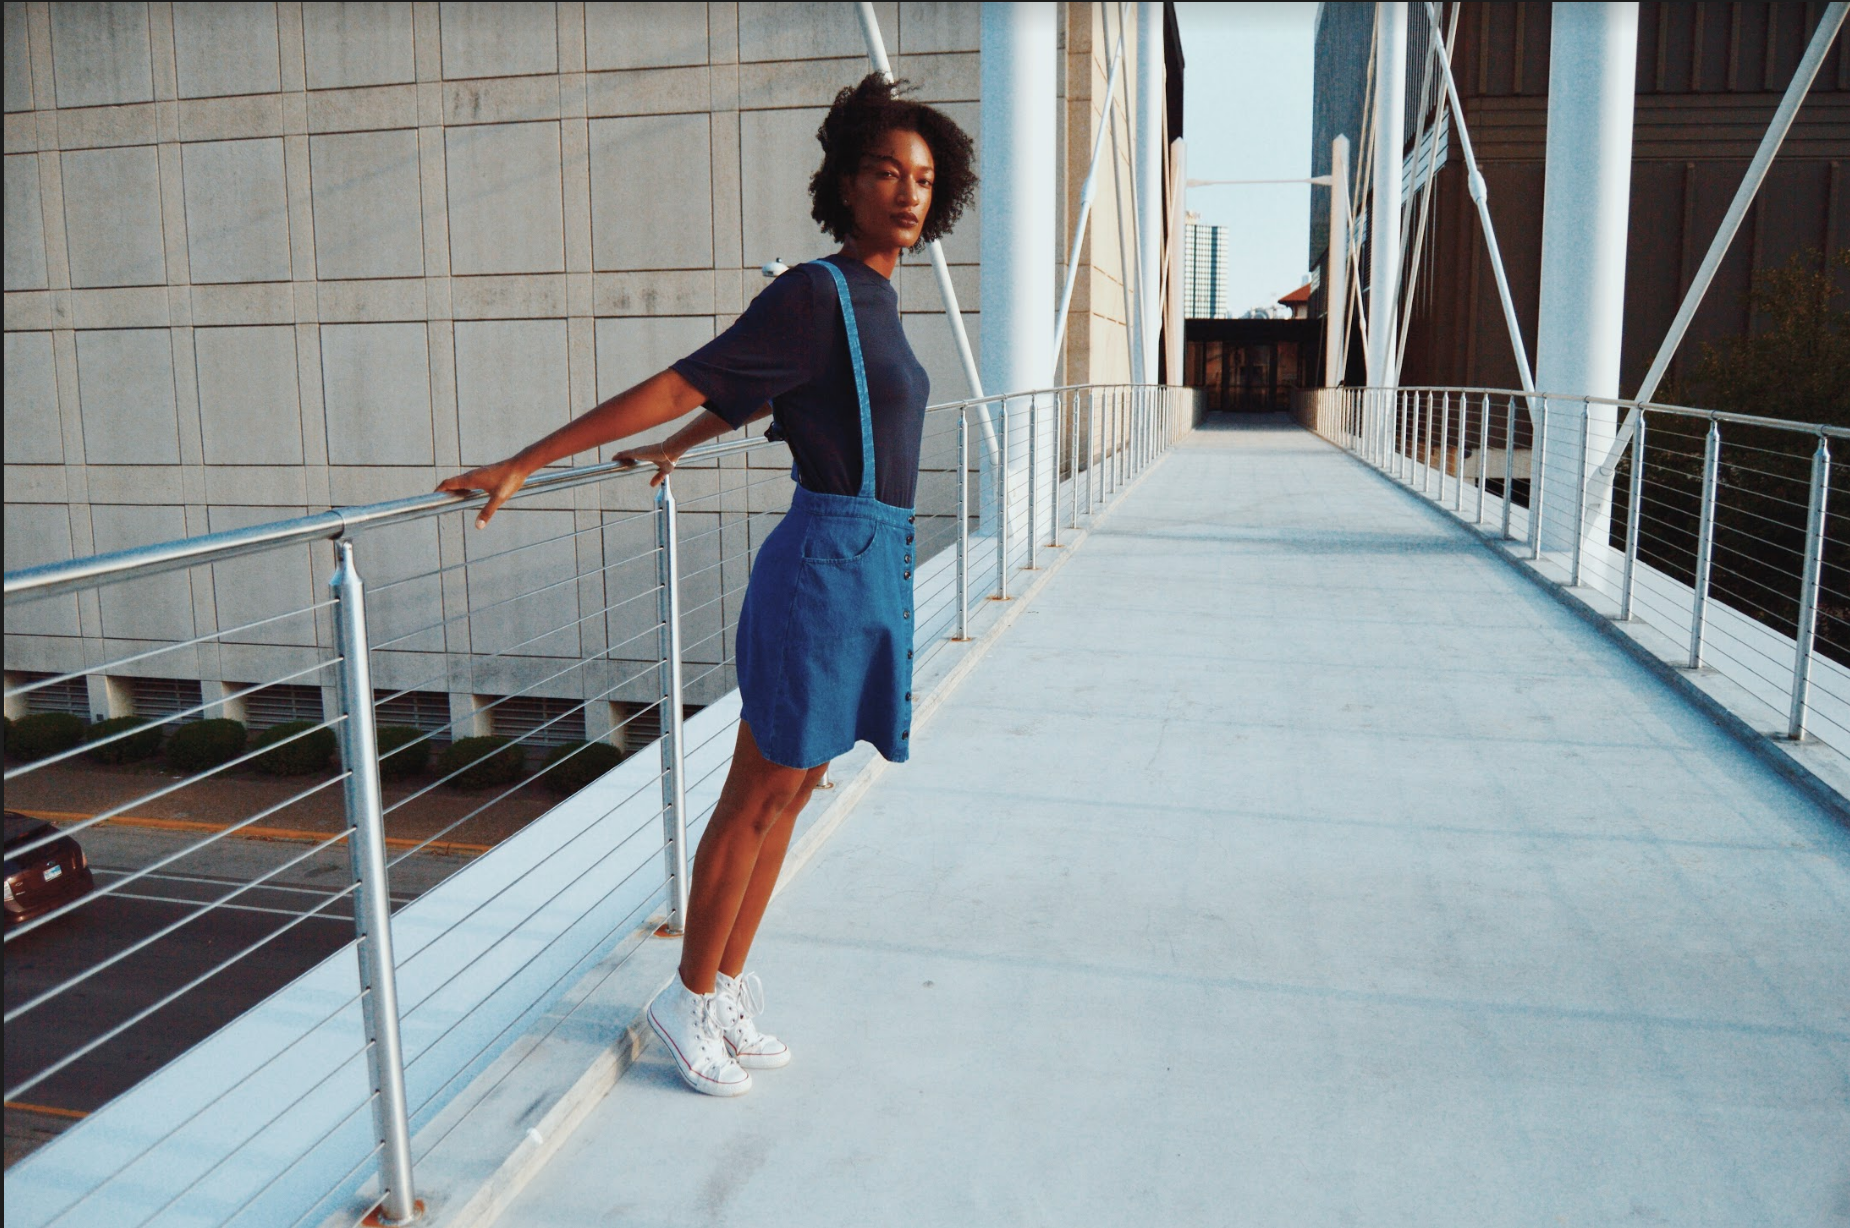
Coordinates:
[83,748]
[15,692]
[428,1046]
[25,927]
[15,1012]
[550,631]
[602,655]
[1032,514]
[1756,519]
[589,824]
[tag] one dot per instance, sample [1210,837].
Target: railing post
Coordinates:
[372,912]
[1483,452]
[1458,458]
[1034,490]
[1072,450]
[963,522]
[1418,459]
[1053,495]
[1705,541]
[1580,491]
[1633,505]
[1538,467]
[1509,465]
[1445,431]
[674,773]
[1093,419]
[1806,633]
[1398,465]
[1002,507]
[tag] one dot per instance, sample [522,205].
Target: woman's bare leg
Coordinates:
[754,800]
[764,877]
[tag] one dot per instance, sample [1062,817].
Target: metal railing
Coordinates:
[609,607]
[1719,532]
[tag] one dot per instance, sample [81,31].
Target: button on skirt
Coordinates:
[824,644]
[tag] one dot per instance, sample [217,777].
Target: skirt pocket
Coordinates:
[838,539]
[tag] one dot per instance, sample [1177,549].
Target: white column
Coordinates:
[1585,200]
[1384,210]
[1019,180]
[1150,126]
[1336,271]
[1175,350]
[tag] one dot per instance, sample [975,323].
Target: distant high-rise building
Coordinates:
[1206,252]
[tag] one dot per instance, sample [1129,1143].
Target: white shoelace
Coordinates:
[708,1018]
[747,995]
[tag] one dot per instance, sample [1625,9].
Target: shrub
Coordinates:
[407,762]
[306,755]
[572,767]
[482,762]
[198,745]
[144,743]
[44,733]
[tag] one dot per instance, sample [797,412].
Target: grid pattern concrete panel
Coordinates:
[367,202]
[31,394]
[347,45]
[101,54]
[646,172]
[249,404]
[222,49]
[126,376]
[285,256]
[506,211]
[645,35]
[112,215]
[25,230]
[375,381]
[237,211]
[510,385]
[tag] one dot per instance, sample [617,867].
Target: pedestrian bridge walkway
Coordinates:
[1292,860]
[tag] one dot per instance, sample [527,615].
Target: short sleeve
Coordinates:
[771,348]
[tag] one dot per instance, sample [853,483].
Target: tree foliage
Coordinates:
[1798,365]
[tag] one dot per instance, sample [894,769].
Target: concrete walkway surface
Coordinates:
[1292,861]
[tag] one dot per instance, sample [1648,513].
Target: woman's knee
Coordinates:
[765,798]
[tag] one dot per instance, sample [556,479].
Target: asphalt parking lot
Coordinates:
[283,927]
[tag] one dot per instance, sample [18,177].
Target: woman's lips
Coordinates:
[907,220]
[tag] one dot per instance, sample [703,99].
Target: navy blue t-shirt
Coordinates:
[789,348]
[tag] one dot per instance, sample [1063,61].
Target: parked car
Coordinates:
[39,879]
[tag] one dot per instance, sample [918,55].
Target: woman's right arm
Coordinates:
[658,399]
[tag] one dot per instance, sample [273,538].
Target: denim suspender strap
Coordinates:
[860,379]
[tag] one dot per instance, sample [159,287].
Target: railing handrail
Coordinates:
[1688,411]
[115,567]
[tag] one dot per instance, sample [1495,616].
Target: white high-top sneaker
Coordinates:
[739,1000]
[689,1024]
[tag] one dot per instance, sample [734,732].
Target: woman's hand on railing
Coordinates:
[498,481]
[662,455]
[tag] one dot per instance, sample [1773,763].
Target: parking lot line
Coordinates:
[254,833]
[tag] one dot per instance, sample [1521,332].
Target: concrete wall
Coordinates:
[262,259]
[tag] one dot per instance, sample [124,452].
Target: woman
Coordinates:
[824,645]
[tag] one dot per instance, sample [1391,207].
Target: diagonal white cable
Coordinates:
[1480,194]
[1358,186]
[1430,165]
[1086,196]
[1408,208]
[1800,85]
[876,55]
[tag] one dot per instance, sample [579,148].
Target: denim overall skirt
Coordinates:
[825,632]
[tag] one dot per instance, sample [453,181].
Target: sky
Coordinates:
[1246,115]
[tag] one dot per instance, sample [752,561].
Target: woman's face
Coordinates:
[890,194]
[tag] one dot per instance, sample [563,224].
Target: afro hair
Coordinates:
[865,111]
